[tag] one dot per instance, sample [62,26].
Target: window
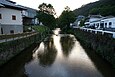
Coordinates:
[11,31]
[105,25]
[0,16]
[13,17]
[110,23]
[101,25]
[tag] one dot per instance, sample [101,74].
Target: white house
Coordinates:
[10,17]
[29,16]
[93,20]
[77,21]
[106,23]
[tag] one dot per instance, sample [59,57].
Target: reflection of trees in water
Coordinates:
[47,58]
[67,43]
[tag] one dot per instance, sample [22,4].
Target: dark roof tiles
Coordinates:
[10,4]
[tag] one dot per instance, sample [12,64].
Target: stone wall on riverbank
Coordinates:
[103,45]
[11,48]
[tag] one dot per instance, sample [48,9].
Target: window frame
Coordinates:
[13,17]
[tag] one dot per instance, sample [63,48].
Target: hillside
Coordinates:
[103,7]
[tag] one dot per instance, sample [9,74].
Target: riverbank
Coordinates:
[102,45]
[10,49]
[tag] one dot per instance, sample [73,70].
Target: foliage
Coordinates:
[67,45]
[103,7]
[82,23]
[104,10]
[40,29]
[48,57]
[47,8]
[66,18]
[46,15]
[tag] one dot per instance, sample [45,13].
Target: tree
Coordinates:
[103,7]
[66,18]
[47,8]
[82,23]
[46,15]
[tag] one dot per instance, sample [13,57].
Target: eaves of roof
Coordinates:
[8,4]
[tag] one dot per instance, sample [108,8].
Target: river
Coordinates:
[59,55]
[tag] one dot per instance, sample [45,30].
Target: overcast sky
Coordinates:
[58,4]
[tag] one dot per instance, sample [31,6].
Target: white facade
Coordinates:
[8,24]
[104,23]
[109,22]
[93,19]
[93,22]
[7,16]
[24,13]
[36,21]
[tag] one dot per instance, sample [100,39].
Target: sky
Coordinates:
[58,5]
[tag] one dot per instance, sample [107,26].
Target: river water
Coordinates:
[59,55]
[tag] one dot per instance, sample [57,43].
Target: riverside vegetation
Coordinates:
[102,45]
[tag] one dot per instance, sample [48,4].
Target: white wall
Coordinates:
[16,29]
[7,16]
[93,19]
[7,24]
[36,21]
[25,13]
[110,20]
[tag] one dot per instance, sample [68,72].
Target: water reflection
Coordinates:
[15,67]
[47,57]
[58,56]
[67,43]
[50,60]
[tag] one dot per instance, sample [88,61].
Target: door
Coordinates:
[1,30]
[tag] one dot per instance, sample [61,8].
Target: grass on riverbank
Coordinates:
[40,28]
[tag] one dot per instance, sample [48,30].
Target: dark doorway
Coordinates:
[1,30]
